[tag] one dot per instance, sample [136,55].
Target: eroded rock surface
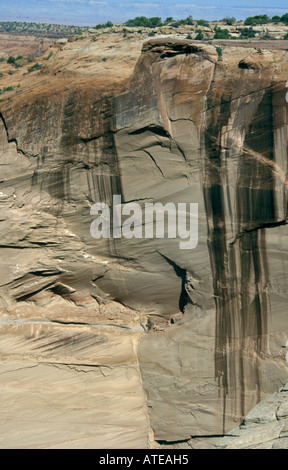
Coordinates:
[178,123]
[264,427]
[70,387]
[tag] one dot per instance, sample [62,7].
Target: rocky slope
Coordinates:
[137,342]
[264,427]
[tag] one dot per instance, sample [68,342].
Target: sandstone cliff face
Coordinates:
[180,125]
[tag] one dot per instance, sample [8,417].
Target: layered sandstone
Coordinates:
[179,122]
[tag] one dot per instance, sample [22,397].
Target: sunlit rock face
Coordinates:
[188,125]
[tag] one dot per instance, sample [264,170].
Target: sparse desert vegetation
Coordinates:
[258,27]
[53,30]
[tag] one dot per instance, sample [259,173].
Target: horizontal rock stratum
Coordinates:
[136,343]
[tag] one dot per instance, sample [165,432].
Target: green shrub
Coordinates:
[256,20]
[34,68]
[221,33]
[145,22]
[9,88]
[229,20]
[155,21]
[246,33]
[276,19]
[189,20]
[199,36]
[16,64]
[203,23]
[108,24]
[149,324]
[219,52]
[176,23]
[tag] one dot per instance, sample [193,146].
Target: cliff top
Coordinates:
[106,59]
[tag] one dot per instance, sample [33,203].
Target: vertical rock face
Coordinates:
[245,198]
[186,127]
[229,126]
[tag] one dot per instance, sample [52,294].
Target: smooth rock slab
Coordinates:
[262,428]
[69,389]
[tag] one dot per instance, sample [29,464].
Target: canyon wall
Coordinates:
[186,342]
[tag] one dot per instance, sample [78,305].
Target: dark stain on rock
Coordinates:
[240,272]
